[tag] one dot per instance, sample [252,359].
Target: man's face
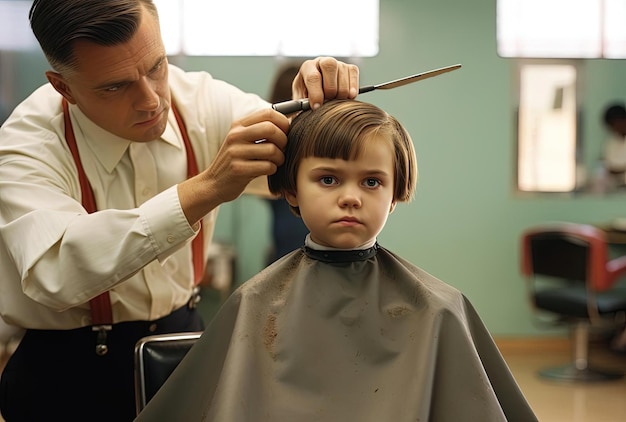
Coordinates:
[122,88]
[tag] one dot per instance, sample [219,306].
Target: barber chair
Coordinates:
[156,357]
[571,279]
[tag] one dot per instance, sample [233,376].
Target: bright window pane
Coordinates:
[15,33]
[170,21]
[615,29]
[561,28]
[268,28]
[549,28]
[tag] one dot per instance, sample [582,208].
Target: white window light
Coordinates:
[561,28]
[240,27]
[615,39]
[15,32]
[269,28]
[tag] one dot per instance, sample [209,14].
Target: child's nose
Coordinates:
[350,197]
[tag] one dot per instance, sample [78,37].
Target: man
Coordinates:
[614,118]
[110,180]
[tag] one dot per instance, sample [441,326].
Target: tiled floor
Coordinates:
[555,401]
[563,402]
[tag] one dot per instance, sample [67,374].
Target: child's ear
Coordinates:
[291,198]
[392,207]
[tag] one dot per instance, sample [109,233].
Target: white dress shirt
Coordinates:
[55,257]
[615,157]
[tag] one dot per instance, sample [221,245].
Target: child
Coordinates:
[342,329]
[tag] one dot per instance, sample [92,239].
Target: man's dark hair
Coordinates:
[614,112]
[57,24]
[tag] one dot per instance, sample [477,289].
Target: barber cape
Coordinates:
[342,336]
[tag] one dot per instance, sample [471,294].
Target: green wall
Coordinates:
[465,222]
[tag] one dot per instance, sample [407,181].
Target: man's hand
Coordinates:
[325,78]
[253,147]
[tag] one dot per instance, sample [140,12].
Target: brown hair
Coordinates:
[340,129]
[57,24]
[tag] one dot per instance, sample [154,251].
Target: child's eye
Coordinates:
[372,183]
[327,180]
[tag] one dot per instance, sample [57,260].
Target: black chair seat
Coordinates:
[571,301]
[562,262]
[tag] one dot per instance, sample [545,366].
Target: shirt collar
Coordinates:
[108,148]
[314,245]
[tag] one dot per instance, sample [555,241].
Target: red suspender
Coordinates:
[101,313]
[197,244]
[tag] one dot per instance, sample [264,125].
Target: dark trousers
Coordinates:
[55,375]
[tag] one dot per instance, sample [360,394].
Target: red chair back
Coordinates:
[576,252]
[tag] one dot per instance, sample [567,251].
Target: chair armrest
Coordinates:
[615,269]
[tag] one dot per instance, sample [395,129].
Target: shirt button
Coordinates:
[145,192]
[152,328]
[170,238]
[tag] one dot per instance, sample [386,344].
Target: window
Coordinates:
[561,28]
[219,28]
[268,28]
[15,32]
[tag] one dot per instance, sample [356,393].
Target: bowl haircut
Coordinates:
[341,129]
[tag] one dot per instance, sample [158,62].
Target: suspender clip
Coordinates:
[195,298]
[101,341]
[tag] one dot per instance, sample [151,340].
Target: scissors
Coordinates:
[288,107]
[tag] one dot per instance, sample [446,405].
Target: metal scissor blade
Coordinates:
[409,79]
[288,107]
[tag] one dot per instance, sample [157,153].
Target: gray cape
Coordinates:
[342,336]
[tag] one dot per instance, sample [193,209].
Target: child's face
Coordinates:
[345,204]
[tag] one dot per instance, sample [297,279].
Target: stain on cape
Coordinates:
[269,334]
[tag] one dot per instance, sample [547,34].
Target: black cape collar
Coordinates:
[341,256]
